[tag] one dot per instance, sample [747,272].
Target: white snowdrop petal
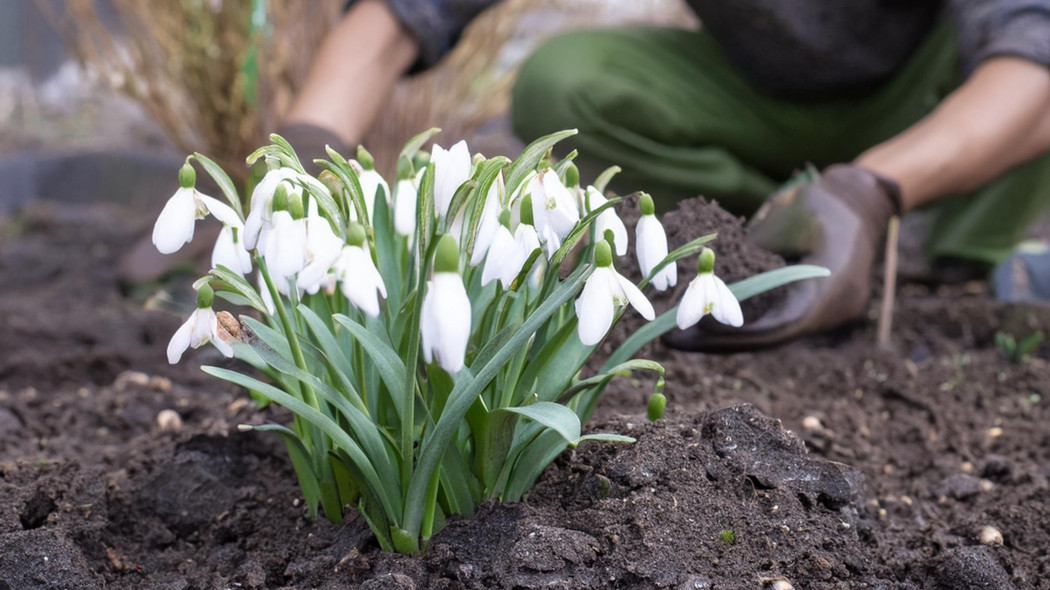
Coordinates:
[488,226]
[726,308]
[636,298]
[607,220]
[174,226]
[405,207]
[203,327]
[500,255]
[223,212]
[180,341]
[690,308]
[595,308]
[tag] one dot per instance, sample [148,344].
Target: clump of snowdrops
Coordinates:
[428,334]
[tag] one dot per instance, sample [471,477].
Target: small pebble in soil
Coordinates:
[989,535]
[812,423]
[130,379]
[995,432]
[777,584]
[169,421]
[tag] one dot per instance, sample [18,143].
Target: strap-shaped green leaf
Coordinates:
[531,156]
[240,286]
[390,366]
[554,416]
[603,179]
[339,437]
[414,144]
[223,180]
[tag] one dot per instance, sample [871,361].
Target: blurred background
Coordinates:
[101,99]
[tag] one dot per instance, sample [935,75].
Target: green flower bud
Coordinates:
[280,198]
[646,204]
[610,238]
[187,176]
[707,261]
[405,170]
[447,257]
[572,175]
[366,159]
[504,218]
[295,205]
[331,182]
[656,406]
[526,210]
[355,234]
[205,296]
[602,253]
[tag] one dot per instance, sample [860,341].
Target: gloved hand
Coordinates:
[837,221]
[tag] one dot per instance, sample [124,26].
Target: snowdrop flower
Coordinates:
[451,169]
[358,276]
[285,247]
[553,208]
[259,214]
[707,294]
[445,322]
[229,250]
[174,226]
[607,220]
[370,180]
[322,249]
[651,247]
[201,327]
[509,252]
[605,291]
[490,221]
[405,197]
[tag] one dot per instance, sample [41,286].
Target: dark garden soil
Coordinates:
[826,463]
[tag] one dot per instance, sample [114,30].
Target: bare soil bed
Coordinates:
[826,463]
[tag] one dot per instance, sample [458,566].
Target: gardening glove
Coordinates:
[837,221]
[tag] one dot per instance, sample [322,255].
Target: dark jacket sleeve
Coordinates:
[989,28]
[435,24]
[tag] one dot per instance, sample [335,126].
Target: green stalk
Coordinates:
[309,396]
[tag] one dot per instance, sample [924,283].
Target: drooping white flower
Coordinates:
[451,169]
[405,197]
[708,294]
[446,313]
[358,277]
[490,214]
[607,220]
[201,327]
[322,249]
[605,291]
[229,250]
[554,209]
[175,224]
[259,213]
[285,248]
[371,181]
[508,253]
[651,247]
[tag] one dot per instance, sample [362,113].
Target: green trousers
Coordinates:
[667,107]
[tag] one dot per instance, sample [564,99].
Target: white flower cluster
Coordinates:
[301,249]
